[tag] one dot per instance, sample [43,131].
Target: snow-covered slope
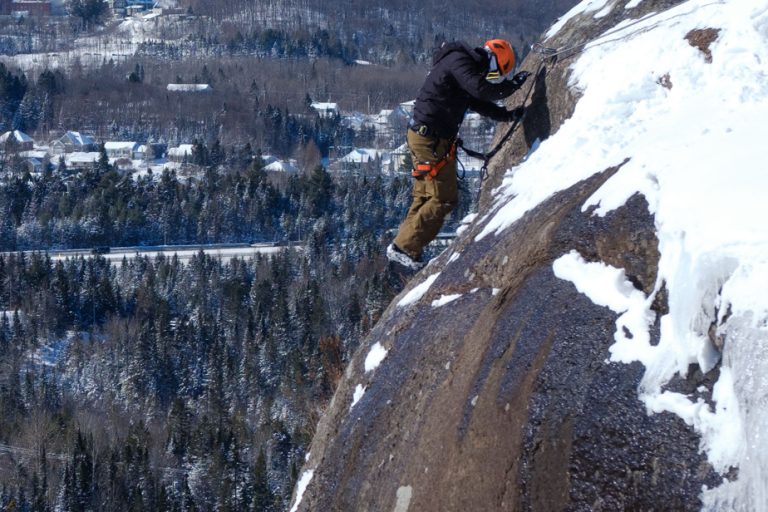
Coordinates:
[692,129]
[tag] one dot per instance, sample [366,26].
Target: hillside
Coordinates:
[258,58]
[593,339]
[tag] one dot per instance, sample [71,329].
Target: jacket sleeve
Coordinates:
[489,109]
[472,80]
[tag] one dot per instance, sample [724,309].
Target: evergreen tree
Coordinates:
[263,498]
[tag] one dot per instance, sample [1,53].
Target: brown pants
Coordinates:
[433,199]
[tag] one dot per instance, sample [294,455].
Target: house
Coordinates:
[31,7]
[121,149]
[400,157]
[136,6]
[35,160]
[143,152]
[122,165]
[34,165]
[181,153]
[281,166]
[146,4]
[326,109]
[116,6]
[74,142]
[364,159]
[200,88]
[407,107]
[17,140]
[82,159]
[365,155]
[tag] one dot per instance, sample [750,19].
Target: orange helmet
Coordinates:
[505,55]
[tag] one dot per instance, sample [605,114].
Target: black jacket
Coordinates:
[457,83]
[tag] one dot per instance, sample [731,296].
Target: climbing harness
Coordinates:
[429,170]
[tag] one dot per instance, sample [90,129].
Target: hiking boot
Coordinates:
[396,255]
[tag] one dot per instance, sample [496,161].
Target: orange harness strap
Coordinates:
[430,169]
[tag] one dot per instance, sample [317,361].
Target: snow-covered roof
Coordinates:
[181,150]
[325,106]
[268,159]
[81,157]
[281,166]
[382,117]
[401,149]
[363,155]
[34,153]
[79,138]
[117,145]
[189,87]
[17,135]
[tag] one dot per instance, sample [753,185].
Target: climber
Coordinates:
[462,78]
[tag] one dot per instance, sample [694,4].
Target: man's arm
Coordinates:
[489,109]
[495,112]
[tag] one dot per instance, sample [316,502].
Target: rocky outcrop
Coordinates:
[494,391]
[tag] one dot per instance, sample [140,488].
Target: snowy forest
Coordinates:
[153,385]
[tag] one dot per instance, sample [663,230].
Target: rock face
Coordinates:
[494,392]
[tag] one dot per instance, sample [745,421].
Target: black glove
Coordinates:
[515,114]
[520,78]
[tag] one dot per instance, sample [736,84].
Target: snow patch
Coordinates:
[357,395]
[445,299]
[584,7]
[404,495]
[306,477]
[375,356]
[418,291]
[603,284]
[605,11]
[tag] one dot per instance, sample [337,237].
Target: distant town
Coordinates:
[72,151]
[20,8]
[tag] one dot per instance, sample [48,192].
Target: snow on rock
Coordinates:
[404,495]
[418,291]
[584,7]
[692,134]
[306,477]
[375,357]
[357,395]
[445,299]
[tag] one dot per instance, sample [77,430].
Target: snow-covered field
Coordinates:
[225,254]
[694,134]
